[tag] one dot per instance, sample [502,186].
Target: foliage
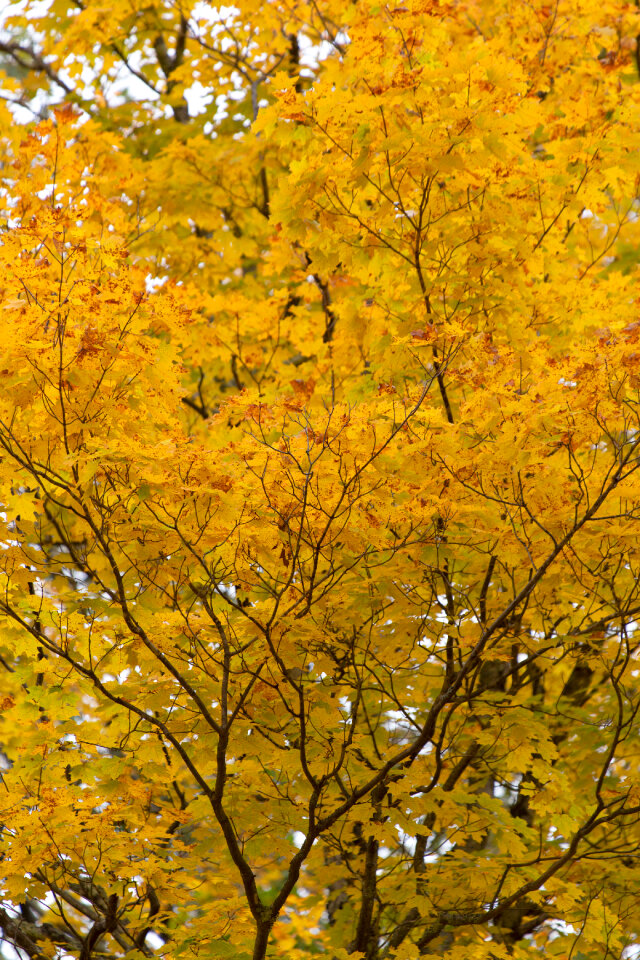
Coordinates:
[319,417]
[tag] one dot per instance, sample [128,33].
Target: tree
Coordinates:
[319,417]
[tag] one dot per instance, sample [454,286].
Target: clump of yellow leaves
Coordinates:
[319,489]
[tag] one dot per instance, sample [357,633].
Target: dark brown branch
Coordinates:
[106,924]
[22,935]
[28,59]
[364,933]
[485,589]
[199,405]
[169,62]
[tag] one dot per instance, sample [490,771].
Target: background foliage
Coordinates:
[319,420]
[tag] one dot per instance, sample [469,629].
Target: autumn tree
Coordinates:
[319,487]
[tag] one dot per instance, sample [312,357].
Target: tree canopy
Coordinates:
[319,486]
